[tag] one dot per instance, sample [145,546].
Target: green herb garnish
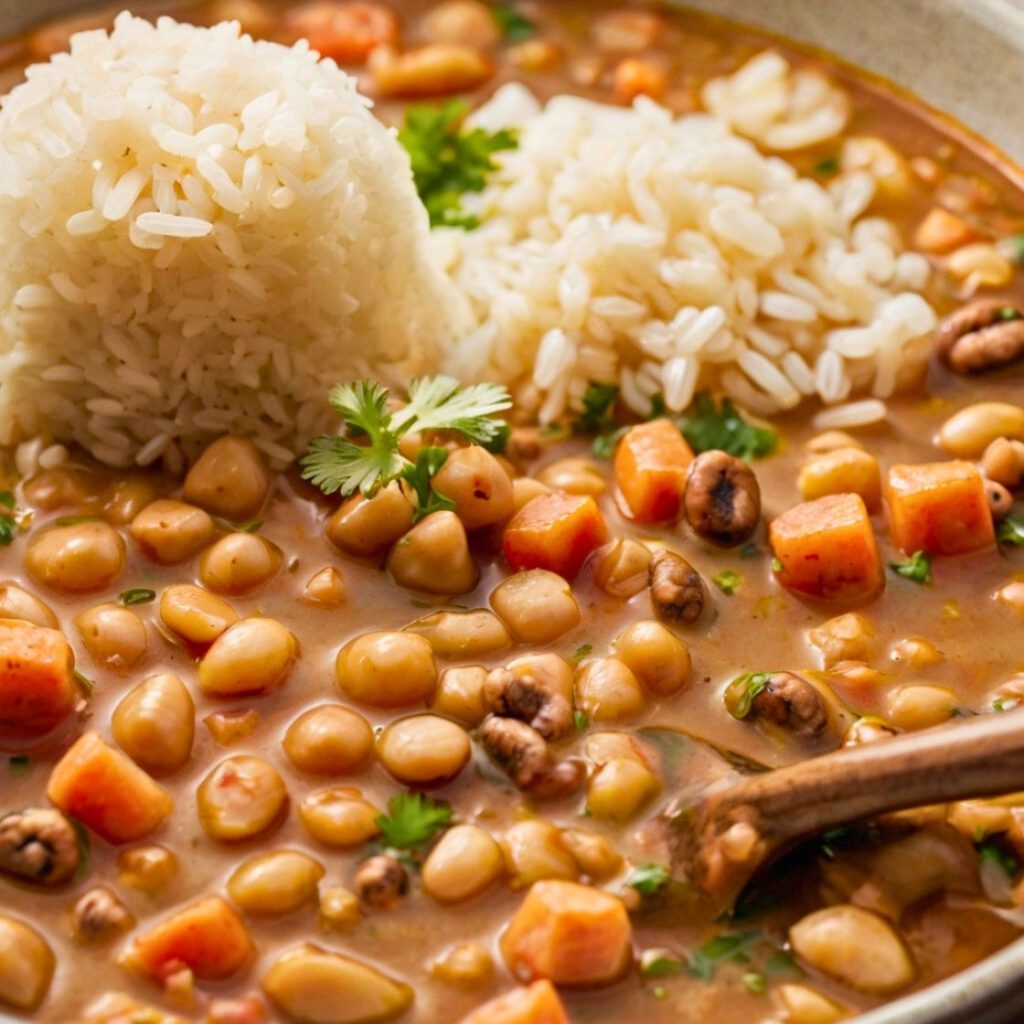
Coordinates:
[8,520]
[753,982]
[1011,531]
[7,499]
[776,564]
[141,595]
[727,581]
[826,167]
[582,651]
[448,162]
[85,684]
[648,879]
[604,444]
[1009,313]
[412,820]
[781,961]
[17,765]
[598,413]
[719,950]
[435,403]
[918,569]
[580,720]
[723,427]
[84,849]
[429,460]
[657,963]
[995,853]
[740,693]
[1012,247]
[253,526]
[515,27]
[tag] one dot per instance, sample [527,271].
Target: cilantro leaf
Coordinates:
[441,403]
[334,464]
[727,581]
[580,721]
[515,27]
[7,499]
[740,693]
[429,460]
[826,167]
[1011,531]
[140,595]
[713,427]
[8,530]
[659,963]
[598,412]
[648,879]
[918,569]
[412,820]
[604,444]
[447,162]
[719,950]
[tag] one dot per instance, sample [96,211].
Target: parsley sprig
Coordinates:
[447,161]
[722,427]
[514,25]
[412,820]
[338,464]
[918,569]
[1010,531]
[8,518]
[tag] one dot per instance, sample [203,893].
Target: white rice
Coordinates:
[669,254]
[202,233]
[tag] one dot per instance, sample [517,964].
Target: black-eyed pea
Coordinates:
[329,740]
[574,475]
[1000,500]
[229,479]
[460,694]
[195,614]
[242,797]
[18,603]
[801,1004]
[147,868]
[621,567]
[920,706]
[656,656]
[381,882]
[620,788]
[99,915]
[239,563]
[316,986]
[849,637]
[76,558]
[275,883]
[478,484]
[169,532]
[154,724]
[326,587]
[464,862]
[252,657]
[537,606]
[915,653]
[535,850]
[467,965]
[339,816]
[26,965]
[339,909]
[387,669]
[608,691]
[595,853]
[458,634]
[434,557]
[854,947]
[968,433]
[367,527]
[842,471]
[114,636]
[424,750]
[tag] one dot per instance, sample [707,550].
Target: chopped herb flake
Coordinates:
[740,693]
[139,596]
[429,460]
[1009,313]
[604,444]
[719,950]
[776,565]
[85,684]
[515,27]
[781,961]
[727,581]
[995,853]
[253,526]
[1011,531]
[582,651]
[918,569]
[7,499]
[722,427]
[412,820]
[17,765]
[8,530]
[753,981]
[84,849]
[598,413]
[648,879]
[658,963]
[580,720]
[827,167]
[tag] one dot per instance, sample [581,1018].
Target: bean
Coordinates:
[18,603]
[920,706]
[275,883]
[478,484]
[621,568]
[535,55]
[656,656]
[367,527]
[329,740]
[434,557]
[146,868]
[229,479]
[915,653]
[26,965]
[535,850]
[339,816]
[722,500]
[537,606]
[465,862]
[387,669]
[634,77]
[63,487]
[434,70]
[967,433]
[461,21]
[242,797]
[843,471]
[381,882]
[1000,500]
[424,749]
[326,587]
[460,694]
[1003,462]
[155,723]
[868,729]
[1012,595]
[802,1004]
[537,689]
[125,499]
[855,947]
[115,637]
[195,614]
[79,558]
[320,987]
[339,909]
[849,637]
[620,789]
[471,634]
[607,690]
[575,475]
[100,916]
[617,31]
[239,563]
[169,532]
[678,593]
[253,656]
[596,854]
[466,965]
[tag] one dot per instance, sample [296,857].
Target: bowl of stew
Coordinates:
[279,746]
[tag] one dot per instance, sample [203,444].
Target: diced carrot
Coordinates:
[555,531]
[107,792]
[207,937]
[942,231]
[938,507]
[650,469]
[826,548]
[537,1004]
[348,32]
[37,685]
[569,934]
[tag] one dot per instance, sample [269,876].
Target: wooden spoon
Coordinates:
[719,841]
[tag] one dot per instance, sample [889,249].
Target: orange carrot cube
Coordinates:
[938,507]
[569,934]
[537,1004]
[207,937]
[650,469]
[555,531]
[37,684]
[107,792]
[826,548]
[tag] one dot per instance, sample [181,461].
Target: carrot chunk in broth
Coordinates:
[650,469]
[826,548]
[556,532]
[537,1004]
[37,686]
[107,792]
[938,507]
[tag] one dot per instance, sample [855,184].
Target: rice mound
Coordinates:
[667,254]
[201,234]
